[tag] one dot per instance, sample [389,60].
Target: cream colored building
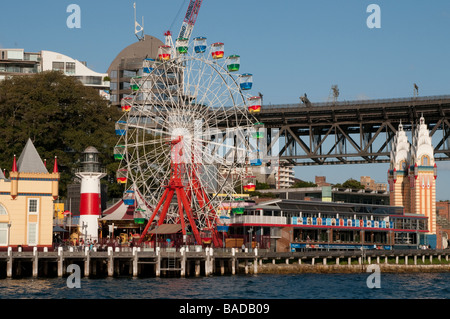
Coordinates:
[26,201]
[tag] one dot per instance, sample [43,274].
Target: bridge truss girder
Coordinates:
[352,134]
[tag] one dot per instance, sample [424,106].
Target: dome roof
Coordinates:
[135,52]
[90,149]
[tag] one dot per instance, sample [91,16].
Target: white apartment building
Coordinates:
[18,62]
[284,177]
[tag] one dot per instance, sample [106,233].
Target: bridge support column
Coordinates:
[60,262]
[9,263]
[197,268]
[222,267]
[87,262]
[135,263]
[233,261]
[158,262]
[183,262]
[110,262]
[35,262]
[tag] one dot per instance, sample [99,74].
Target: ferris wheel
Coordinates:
[184,137]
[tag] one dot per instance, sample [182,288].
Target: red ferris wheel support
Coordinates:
[176,187]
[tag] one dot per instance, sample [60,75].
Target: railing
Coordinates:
[99,170]
[249,219]
[357,102]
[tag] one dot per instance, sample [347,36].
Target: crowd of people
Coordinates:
[79,244]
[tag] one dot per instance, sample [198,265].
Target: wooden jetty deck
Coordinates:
[139,262]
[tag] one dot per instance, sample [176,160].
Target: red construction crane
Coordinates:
[190,19]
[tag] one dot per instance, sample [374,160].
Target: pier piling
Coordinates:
[139,262]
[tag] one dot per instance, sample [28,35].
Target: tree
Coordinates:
[302,184]
[61,116]
[350,183]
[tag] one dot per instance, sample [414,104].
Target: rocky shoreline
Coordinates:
[323,269]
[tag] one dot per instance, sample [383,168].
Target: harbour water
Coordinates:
[243,287]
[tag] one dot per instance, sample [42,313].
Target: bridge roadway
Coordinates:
[351,132]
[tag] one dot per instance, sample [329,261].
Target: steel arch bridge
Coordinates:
[353,132]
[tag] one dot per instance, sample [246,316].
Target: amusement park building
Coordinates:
[412,174]
[26,201]
[289,225]
[334,194]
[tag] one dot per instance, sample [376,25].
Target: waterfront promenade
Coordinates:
[196,261]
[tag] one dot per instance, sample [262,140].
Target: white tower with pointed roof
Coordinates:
[412,173]
[398,170]
[423,173]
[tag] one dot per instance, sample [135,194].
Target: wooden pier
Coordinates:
[137,262]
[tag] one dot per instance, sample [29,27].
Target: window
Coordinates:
[33,221]
[3,210]
[403,165]
[90,80]
[425,160]
[3,234]
[15,54]
[70,68]
[33,206]
[32,234]
[58,66]
[129,74]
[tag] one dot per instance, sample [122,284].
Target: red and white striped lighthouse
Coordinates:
[90,194]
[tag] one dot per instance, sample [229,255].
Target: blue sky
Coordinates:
[291,46]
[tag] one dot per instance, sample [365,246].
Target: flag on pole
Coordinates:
[137,27]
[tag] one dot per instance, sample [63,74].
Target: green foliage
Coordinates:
[265,195]
[61,116]
[302,184]
[261,185]
[350,183]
